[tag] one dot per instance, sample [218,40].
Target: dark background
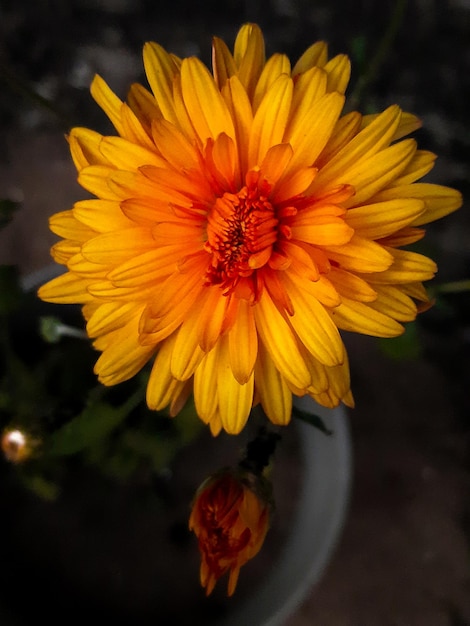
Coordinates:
[404,556]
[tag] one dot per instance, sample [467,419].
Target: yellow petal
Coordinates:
[206,107]
[338,387]
[81,266]
[223,64]
[321,230]
[275,66]
[366,143]
[108,101]
[314,326]
[393,302]
[106,290]
[419,166]
[110,316]
[315,55]
[161,386]
[275,395]
[351,286]
[65,289]
[322,289]
[222,156]
[118,246]
[235,400]
[212,318]
[371,175]
[249,56]
[66,225]
[438,200]
[275,163]
[408,124]
[361,255]
[95,179]
[65,250]
[101,215]
[345,129]
[143,104]
[186,354]
[338,70]
[374,221]
[85,148]
[205,392]
[174,145]
[293,184]
[318,372]
[404,237]
[310,135]
[280,343]
[407,267]
[126,155]
[360,318]
[145,211]
[243,343]
[161,68]
[308,88]
[146,268]
[239,106]
[124,185]
[416,291]
[182,289]
[175,187]
[270,120]
[135,130]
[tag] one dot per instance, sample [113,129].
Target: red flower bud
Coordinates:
[230,517]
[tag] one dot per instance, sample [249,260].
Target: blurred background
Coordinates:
[403,559]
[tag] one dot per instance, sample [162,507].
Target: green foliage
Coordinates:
[49,391]
[50,328]
[96,422]
[43,488]
[312,419]
[406,347]
[10,292]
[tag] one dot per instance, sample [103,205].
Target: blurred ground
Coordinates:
[404,556]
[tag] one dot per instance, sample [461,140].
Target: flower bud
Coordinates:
[16,445]
[230,517]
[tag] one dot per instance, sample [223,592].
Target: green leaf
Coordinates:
[188,423]
[7,209]
[96,422]
[50,328]
[45,489]
[406,347]
[10,291]
[312,419]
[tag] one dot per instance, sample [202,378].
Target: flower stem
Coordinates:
[456,286]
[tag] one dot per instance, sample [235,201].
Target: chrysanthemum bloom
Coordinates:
[240,220]
[230,520]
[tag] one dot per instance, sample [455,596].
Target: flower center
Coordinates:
[242,229]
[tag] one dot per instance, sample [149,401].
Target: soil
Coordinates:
[404,556]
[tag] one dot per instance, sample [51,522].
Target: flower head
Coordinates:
[240,220]
[230,517]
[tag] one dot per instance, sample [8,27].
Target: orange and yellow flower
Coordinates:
[239,221]
[230,520]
